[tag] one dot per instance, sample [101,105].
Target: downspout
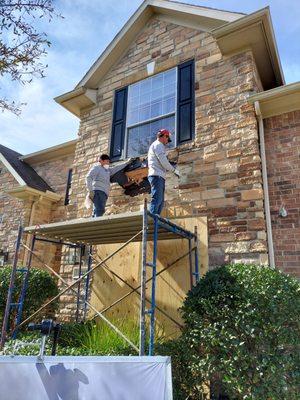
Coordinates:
[265,183]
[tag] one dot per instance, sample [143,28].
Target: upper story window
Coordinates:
[151,106]
[165,100]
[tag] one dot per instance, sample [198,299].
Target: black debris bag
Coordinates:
[132,188]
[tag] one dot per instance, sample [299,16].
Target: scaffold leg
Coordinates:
[11,289]
[24,290]
[153,289]
[143,282]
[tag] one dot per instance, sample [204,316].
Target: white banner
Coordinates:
[85,378]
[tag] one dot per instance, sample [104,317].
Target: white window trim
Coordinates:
[125,155]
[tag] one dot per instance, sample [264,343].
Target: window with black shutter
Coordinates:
[68,188]
[185,102]
[164,100]
[118,125]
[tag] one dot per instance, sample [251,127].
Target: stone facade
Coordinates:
[282,138]
[12,213]
[220,169]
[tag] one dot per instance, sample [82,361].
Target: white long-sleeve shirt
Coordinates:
[158,162]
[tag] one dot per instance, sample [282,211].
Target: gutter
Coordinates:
[265,183]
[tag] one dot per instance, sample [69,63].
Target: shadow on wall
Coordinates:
[61,383]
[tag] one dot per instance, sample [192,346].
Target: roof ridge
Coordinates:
[209,8]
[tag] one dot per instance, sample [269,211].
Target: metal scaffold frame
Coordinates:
[153,226]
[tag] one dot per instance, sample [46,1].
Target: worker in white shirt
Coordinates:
[158,165]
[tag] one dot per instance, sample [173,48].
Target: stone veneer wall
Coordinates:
[12,212]
[221,169]
[282,138]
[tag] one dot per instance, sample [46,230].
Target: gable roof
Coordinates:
[255,31]
[22,172]
[202,17]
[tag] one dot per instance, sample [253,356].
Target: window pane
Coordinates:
[151,98]
[140,138]
[156,109]
[169,105]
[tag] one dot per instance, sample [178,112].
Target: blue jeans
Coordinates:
[157,184]
[99,201]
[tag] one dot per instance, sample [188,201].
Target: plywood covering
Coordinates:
[172,285]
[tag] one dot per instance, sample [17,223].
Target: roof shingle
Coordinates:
[24,170]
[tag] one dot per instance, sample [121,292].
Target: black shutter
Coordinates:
[185,102]
[69,183]
[118,125]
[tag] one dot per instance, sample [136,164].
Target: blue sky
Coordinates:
[78,39]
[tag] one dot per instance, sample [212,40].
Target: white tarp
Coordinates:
[85,378]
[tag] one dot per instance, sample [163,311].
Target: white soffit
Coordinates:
[279,100]
[254,31]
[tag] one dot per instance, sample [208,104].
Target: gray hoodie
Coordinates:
[157,160]
[98,178]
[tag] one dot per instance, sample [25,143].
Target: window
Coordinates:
[68,188]
[73,256]
[76,273]
[165,100]
[151,106]
[3,258]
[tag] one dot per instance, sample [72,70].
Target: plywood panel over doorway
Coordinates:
[172,285]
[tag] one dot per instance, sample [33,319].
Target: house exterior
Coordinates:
[214,79]
[33,191]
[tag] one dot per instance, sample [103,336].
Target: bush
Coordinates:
[242,332]
[41,287]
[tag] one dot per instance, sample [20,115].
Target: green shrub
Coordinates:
[243,332]
[186,385]
[41,287]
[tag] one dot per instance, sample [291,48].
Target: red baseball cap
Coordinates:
[164,132]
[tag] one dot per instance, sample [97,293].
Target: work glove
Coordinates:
[177,173]
[91,194]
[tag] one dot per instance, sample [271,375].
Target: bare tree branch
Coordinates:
[21,46]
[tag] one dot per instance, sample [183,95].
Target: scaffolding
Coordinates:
[85,233]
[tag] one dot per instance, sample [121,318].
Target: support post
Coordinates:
[153,289]
[87,282]
[11,288]
[24,289]
[79,283]
[143,282]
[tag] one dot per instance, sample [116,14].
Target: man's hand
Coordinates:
[176,172]
[91,194]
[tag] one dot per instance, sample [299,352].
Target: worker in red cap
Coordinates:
[158,165]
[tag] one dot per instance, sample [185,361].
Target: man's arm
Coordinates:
[90,177]
[117,168]
[161,155]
